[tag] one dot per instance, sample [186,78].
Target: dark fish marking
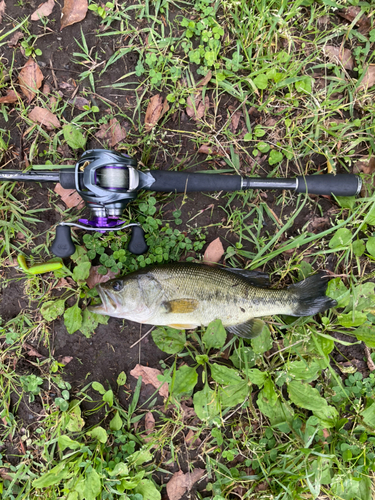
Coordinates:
[242,309]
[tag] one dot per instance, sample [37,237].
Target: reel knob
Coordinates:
[63,245]
[137,244]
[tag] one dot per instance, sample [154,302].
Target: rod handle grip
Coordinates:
[329,184]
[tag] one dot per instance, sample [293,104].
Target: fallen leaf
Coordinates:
[66,359]
[44,10]
[69,196]
[30,79]
[44,117]
[46,89]
[337,55]
[211,150]
[369,78]
[149,376]
[192,440]
[213,252]
[205,80]
[13,41]
[31,351]
[4,473]
[10,97]
[180,483]
[188,411]
[195,107]
[2,9]
[364,22]
[66,86]
[317,224]
[79,102]
[62,283]
[72,12]
[155,110]
[95,278]
[111,132]
[365,166]
[149,422]
[235,120]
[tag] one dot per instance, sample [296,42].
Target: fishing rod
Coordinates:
[107,181]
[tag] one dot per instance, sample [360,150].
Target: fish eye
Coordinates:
[118,285]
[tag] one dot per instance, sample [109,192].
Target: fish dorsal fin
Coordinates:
[255,278]
[248,330]
[181,306]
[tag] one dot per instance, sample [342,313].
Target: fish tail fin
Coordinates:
[311,295]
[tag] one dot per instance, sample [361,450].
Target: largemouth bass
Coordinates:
[188,295]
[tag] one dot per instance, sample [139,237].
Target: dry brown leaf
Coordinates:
[155,110]
[343,56]
[235,120]
[180,483]
[10,97]
[211,150]
[79,102]
[4,472]
[149,422]
[192,440]
[317,224]
[69,196]
[44,10]
[365,166]
[66,86]
[195,107]
[213,252]
[62,283]
[149,376]
[44,117]
[369,78]
[72,12]
[364,22]
[13,41]
[2,9]
[30,79]
[66,359]
[111,132]
[95,278]
[31,351]
[205,80]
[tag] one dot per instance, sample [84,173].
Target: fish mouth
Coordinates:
[107,300]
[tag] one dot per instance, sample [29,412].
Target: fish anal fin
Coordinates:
[181,306]
[183,327]
[248,330]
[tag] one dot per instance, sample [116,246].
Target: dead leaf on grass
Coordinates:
[44,117]
[31,351]
[341,55]
[149,376]
[2,9]
[365,166]
[317,224]
[213,252]
[4,473]
[155,110]
[69,196]
[10,97]
[180,483]
[195,107]
[235,120]
[363,23]
[369,78]
[79,102]
[66,359]
[30,79]
[66,86]
[44,10]
[95,278]
[13,41]
[62,283]
[205,80]
[111,132]
[72,12]
[211,150]
[192,440]
[149,422]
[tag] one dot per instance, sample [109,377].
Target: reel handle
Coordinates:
[63,245]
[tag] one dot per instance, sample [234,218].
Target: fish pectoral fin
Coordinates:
[181,306]
[248,330]
[183,327]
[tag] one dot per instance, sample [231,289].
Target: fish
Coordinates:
[190,295]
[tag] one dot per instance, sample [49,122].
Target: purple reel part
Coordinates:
[101,224]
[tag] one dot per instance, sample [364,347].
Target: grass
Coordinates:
[281,416]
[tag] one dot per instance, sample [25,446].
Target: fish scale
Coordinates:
[187,295]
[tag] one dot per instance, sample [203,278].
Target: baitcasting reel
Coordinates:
[107,181]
